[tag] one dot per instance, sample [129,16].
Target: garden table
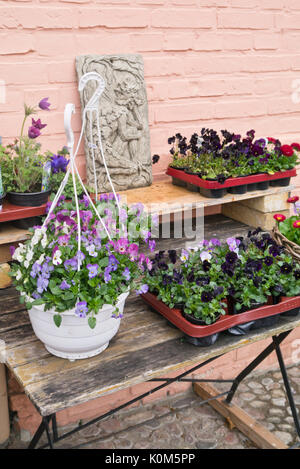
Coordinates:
[146,348]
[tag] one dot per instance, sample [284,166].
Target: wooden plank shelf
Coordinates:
[164,193]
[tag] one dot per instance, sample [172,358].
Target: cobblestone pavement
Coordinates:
[179,422]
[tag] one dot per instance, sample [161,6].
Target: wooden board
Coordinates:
[262,437]
[14,212]
[163,193]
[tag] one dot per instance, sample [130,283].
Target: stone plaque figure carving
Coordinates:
[123,113]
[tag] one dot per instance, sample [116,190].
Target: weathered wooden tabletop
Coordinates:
[145,347]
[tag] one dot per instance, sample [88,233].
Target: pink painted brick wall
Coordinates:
[221,63]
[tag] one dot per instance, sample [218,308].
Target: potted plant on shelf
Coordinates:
[75,287]
[27,169]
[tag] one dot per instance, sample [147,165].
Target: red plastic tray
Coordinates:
[222,324]
[230,182]
[11,212]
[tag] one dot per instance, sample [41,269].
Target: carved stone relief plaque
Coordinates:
[123,115]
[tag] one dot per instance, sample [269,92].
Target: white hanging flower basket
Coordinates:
[76,271]
[75,339]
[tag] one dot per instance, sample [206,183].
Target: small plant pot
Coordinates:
[191,187]
[179,306]
[33,199]
[263,185]
[212,193]
[280,182]
[265,322]
[178,182]
[26,223]
[242,189]
[242,329]
[183,168]
[252,187]
[202,341]
[192,173]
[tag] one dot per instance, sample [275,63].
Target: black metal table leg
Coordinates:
[287,384]
[262,356]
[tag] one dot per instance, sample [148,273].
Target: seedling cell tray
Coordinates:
[224,322]
[234,185]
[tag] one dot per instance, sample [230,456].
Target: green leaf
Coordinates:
[57,319]
[92,322]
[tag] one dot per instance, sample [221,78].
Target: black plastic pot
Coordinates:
[179,306]
[242,329]
[212,193]
[263,185]
[291,313]
[280,182]
[33,199]
[265,322]
[202,341]
[178,182]
[252,187]
[192,187]
[242,189]
[183,168]
[193,320]
[192,173]
[26,223]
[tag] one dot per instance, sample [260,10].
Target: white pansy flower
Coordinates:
[29,255]
[26,264]
[44,241]
[41,259]
[65,228]
[205,256]
[18,254]
[56,258]
[18,275]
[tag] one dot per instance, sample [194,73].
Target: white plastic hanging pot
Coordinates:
[74,339]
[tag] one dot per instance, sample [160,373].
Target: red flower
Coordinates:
[279,217]
[296,224]
[272,140]
[296,146]
[287,150]
[292,200]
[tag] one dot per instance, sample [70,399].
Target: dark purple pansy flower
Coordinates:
[44,104]
[206,297]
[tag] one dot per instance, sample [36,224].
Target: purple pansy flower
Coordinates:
[71,263]
[81,309]
[126,274]
[64,285]
[143,289]
[113,262]
[151,244]
[42,284]
[93,270]
[107,276]
[36,268]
